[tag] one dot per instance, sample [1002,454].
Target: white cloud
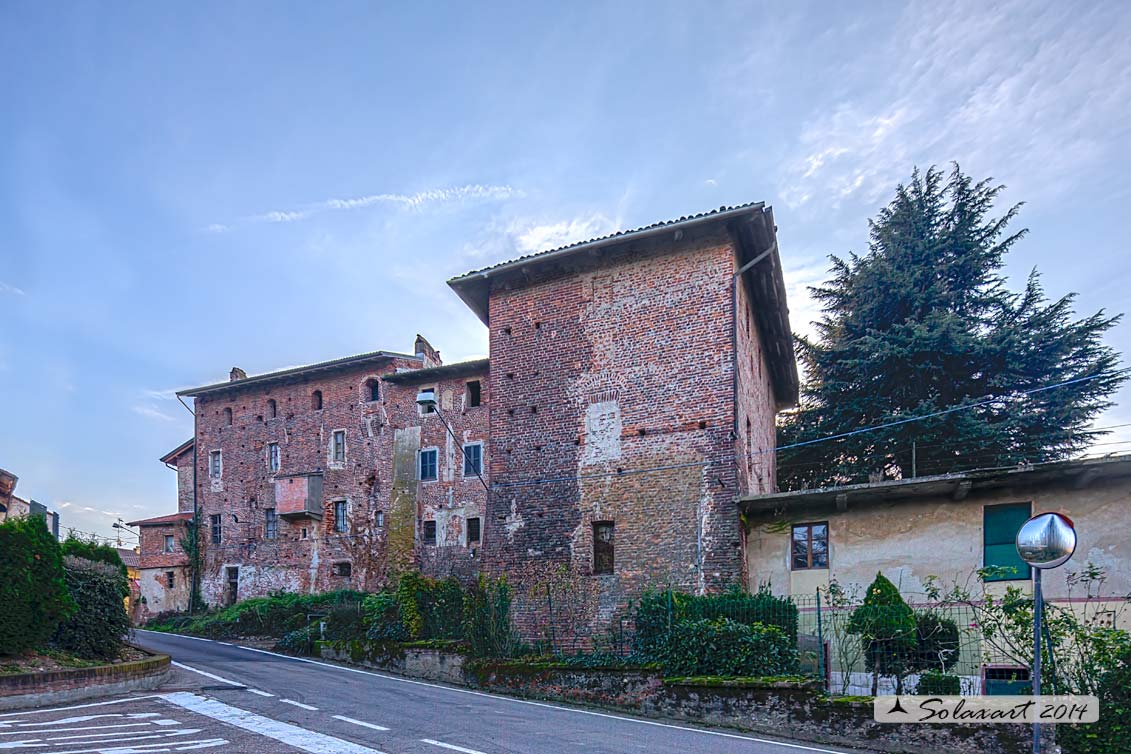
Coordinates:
[543,237]
[217,228]
[151,412]
[11,289]
[417,201]
[1032,94]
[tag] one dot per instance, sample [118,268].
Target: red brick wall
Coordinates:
[614,400]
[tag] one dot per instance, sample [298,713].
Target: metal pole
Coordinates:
[914,459]
[1038,608]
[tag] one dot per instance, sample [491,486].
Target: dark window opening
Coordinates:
[372,389]
[272,456]
[341,516]
[427,467]
[474,393]
[380,519]
[215,464]
[810,546]
[602,547]
[228,416]
[270,523]
[429,532]
[272,408]
[316,400]
[233,585]
[170,579]
[338,452]
[473,531]
[215,527]
[343,569]
[999,541]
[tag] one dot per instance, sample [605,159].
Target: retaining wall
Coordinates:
[26,690]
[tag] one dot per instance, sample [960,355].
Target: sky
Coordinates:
[187,188]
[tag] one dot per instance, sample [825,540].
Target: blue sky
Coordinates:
[184,189]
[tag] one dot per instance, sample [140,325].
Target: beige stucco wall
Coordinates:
[911,540]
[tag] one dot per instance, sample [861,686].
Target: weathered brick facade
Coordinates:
[164,581]
[629,398]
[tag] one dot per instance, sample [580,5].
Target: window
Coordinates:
[380,519]
[473,459]
[372,389]
[228,416]
[214,527]
[305,533]
[473,531]
[272,408]
[168,543]
[270,523]
[429,532]
[338,446]
[215,464]
[316,400]
[474,393]
[341,516]
[427,465]
[272,456]
[344,570]
[170,579]
[999,541]
[602,547]
[810,546]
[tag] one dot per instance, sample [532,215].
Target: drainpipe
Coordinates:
[194,592]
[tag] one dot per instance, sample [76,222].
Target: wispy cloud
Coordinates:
[1029,93]
[151,412]
[8,288]
[412,202]
[517,236]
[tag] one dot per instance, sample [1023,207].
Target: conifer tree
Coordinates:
[922,323]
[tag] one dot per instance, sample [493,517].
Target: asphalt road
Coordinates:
[393,715]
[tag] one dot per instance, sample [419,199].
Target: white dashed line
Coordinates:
[299,704]
[362,723]
[453,747]
[260,693]
[219,678]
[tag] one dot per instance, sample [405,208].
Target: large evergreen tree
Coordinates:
[923,322]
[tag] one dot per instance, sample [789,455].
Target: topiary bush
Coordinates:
[723,647]
[33,588]
[887,630]
[934,683]
[96,630]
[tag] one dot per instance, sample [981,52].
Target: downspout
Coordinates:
[194,594]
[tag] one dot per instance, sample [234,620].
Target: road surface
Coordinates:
[367,711]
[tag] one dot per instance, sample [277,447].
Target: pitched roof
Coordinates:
[172,518]
[457,369]
[130,558]
[303,371]
[177,452]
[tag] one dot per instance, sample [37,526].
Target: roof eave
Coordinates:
[286,374]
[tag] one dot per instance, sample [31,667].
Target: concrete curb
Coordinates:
[29,690]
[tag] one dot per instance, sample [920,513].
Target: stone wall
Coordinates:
[30,690]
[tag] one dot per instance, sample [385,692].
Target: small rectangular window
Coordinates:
[380,519]
[170,579]
[343,569]
[474,393]
[1000,524]
[270,523]
[427,470]
[429,532]
[272,456]
[338,451]
[215,464]
[810,546]
[473,459]
[472,531]
[603,547]
[214,527]
[168,543]
[341,516]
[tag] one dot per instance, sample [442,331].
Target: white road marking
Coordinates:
[292,735]
[221,679]
[362,723]
[453,747]
[299,704]
[545,705]
[156,748]
[79,706]
[26,732]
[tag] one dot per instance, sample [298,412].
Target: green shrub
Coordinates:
[33,588]
[723,647]
[887,630]
[273,615]
[97,628]
[99,553]
[430,608]
[344,623]
[1111,734]
[937,642]
[934,683]
[381,613]
[658,612]
[299,642]
[487,621]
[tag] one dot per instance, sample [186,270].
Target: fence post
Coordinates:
[821,645]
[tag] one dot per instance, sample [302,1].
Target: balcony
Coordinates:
[298,495]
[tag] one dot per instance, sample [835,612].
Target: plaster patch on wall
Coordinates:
[513,521]
[603,427]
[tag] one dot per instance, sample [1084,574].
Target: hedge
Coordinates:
[1112,733]
[723,647]
[33,588]
[97,628]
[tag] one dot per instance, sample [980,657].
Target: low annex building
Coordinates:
[629,397]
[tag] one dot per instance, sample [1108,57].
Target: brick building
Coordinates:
[629,399]
[164,578]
